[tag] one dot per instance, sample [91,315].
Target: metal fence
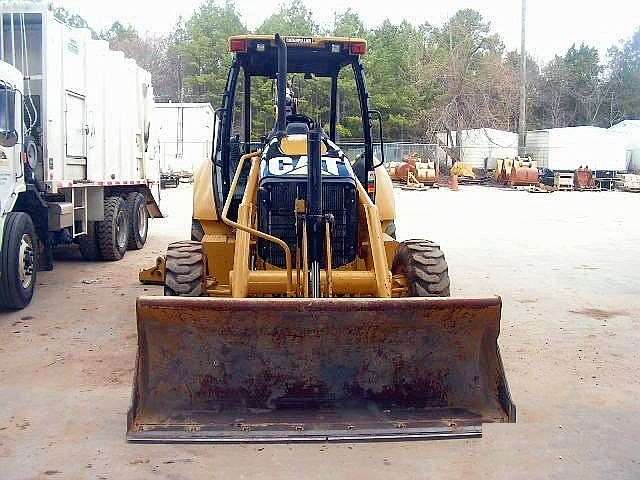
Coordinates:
[394,151]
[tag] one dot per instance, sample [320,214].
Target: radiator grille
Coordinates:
[277,217]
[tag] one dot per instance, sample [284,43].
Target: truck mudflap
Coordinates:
[236,370]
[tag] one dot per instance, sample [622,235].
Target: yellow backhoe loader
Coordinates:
[293,313]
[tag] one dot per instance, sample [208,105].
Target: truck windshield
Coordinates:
[7,108]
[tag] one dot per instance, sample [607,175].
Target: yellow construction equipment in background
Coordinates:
[462,169]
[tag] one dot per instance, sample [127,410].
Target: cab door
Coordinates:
[10,165]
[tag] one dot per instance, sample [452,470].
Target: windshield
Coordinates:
[307,96]
[7,108]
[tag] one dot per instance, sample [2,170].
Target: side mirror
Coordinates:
[8,139]
[378,115]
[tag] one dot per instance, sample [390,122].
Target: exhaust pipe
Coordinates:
[281,122]
[315,219]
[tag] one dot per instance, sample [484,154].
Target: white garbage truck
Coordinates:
[74,133]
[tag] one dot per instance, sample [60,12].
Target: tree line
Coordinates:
[424,78]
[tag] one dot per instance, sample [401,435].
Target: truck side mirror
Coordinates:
[8,133]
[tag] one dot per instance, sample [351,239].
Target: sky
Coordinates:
[552,25]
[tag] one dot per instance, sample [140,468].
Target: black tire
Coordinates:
[88,244]
[113,231]
[426,269]
[185,270]
[136,206]
[197,232]
[18,261]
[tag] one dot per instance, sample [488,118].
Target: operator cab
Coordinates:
[316,64]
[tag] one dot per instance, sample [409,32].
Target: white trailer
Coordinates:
[74,135]
[630,130]
[567,149]
[182,135]
[483,147]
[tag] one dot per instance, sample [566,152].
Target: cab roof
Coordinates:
[321,56]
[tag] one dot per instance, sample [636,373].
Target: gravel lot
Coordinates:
[566,264]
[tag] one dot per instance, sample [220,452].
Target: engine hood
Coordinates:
[287,157]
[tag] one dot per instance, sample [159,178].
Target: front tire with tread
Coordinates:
[88,244]
[185,270]
[111,239]
[14,294]
[425,267]
[136,205]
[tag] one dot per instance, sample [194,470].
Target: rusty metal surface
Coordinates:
[298,369]
[403,170]
[583,180]
[524,176]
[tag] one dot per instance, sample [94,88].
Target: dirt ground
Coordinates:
[567,266]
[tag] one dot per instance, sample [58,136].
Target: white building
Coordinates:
[182,135]
[630,129]
[566,149]
[482,147]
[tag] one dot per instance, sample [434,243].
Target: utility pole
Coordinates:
[522,120]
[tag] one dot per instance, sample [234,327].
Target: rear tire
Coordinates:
[18,261]
[136,206]
[184,270]
[426,269]
[113,231]
[88,244]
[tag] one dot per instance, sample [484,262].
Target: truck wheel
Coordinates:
[18,261]
[88,244]
[184,270]
[136,206]
[113,231]
[425,267]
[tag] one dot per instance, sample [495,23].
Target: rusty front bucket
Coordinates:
[227,370]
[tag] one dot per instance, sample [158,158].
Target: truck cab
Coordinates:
[11,169]
[18,237]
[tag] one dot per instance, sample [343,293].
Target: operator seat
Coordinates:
[297,128]
[301,118]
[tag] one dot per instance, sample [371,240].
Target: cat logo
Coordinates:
[299,40]
[288,166]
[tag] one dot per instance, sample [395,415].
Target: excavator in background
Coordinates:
[294,313]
